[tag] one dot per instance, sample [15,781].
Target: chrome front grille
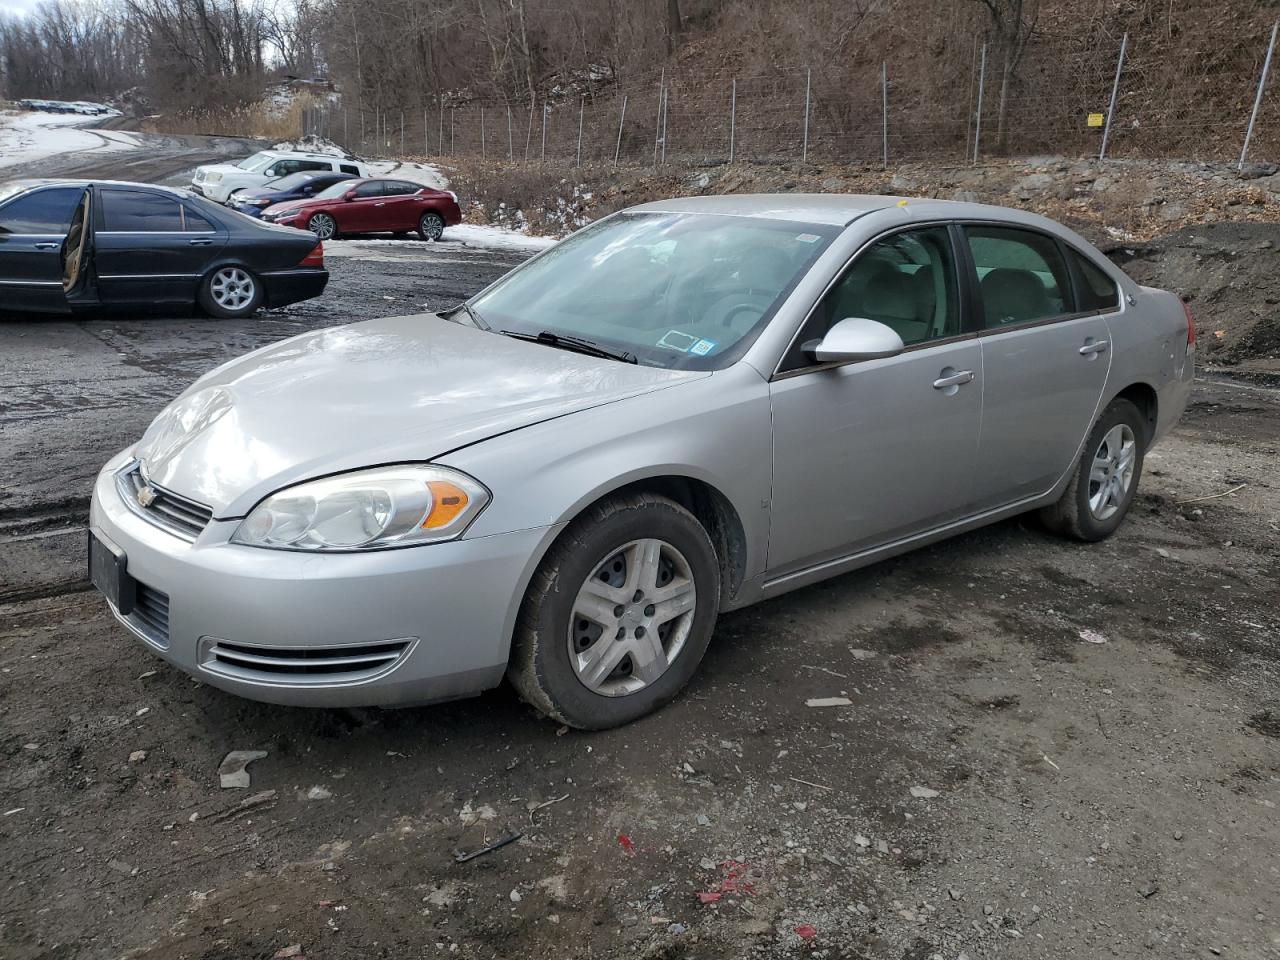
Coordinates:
[162,507]
[150,613]
[302,666]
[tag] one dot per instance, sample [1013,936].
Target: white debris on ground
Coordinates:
[29,137]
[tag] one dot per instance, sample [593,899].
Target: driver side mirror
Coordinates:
[855,338]
[349,195]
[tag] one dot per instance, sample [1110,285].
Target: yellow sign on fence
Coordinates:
[1096,119]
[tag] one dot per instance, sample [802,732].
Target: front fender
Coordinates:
[716,429]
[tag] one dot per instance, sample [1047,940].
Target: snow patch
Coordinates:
[30,137]
[423,173]
[464,235]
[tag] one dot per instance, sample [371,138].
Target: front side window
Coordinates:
[125,211]
[1097,291]
[1021,275]
[687,291]
[255,163]
[372,188]
[336,191]
[45,212]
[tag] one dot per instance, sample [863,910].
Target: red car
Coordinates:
[371,206]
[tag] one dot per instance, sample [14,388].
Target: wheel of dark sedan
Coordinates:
[230,292]
[323,226]
[430,226]
[1106,478]
[618,615]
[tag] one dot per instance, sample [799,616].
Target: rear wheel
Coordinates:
[430,226]
[619,614]
[1106,478]
[323,226]
[230,292]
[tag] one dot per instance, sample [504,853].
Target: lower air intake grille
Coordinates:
[150,614]
[305,666]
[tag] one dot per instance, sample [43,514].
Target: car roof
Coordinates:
[31,183]
[303,155]
[841,209]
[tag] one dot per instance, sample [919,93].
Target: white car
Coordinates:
[219,180]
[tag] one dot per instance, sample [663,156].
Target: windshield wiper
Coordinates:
[576,344]
[471,315]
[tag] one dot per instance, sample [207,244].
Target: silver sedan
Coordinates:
[688,407]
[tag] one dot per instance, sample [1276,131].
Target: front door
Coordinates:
[1045,358]
[32,228]
[872,452]
[360,213]
[150,248]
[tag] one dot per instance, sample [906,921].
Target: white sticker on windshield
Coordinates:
[808,238]
[676,340]
[702,347]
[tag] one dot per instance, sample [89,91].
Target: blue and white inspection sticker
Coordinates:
[703,347]
[808,237]
[676,340]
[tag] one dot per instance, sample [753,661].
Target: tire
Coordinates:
[1086,511]
[554,639]
[430,226]
[323,226]
[230,292]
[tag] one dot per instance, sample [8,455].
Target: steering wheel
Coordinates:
[732,306]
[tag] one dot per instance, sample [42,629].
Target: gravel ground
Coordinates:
[1000,785]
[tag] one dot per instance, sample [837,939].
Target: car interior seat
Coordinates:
[1010,295]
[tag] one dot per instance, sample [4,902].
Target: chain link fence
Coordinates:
[1074,96]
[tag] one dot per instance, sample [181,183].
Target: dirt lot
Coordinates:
[1000,786]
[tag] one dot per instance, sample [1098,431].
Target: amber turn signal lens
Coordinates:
[447,501]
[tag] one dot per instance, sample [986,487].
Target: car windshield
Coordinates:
[687,291]
[293,181]
[255,162]
[333,192]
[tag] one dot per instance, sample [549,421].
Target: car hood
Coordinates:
[223,168]
[289,206]
[384,391]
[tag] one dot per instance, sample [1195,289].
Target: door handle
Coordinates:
[1097,346]
[954,380]
[47,245]
[202,242]
[380,204]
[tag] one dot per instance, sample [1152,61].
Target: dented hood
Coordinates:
[384,391]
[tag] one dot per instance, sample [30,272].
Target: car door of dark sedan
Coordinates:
[150,247]
[32,226]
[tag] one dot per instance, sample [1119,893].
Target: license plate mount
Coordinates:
[108,571]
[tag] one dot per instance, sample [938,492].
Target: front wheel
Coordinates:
[430,226]
[323,226]
[230,293]
[618,615]
[1106,478]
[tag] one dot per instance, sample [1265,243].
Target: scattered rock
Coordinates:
[515,896]
[119,866]
[319,793]
[232,772]
[924,793]
[829,702]
[1149,889]
[860,654]
[470,815]
[284,953]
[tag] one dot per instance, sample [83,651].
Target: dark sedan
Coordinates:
[71,246]
[371,206]
[251,201]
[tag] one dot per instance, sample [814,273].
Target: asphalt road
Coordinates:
[1051,749]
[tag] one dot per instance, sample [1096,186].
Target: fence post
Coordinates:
[582,103]
[977,128]
[440,123]
[528,136]
[452,113]
[346,141]
[402,133]
[1257,101]
[482,153]
[657,127]
[1115,90]
[622,118]
[884,102]
[804,151]
[733,115]
[511,155]
[426,142]
[666,111]
[542,156]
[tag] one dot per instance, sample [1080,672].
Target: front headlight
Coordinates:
[398,506]
[214,178]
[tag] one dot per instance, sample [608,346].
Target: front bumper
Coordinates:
[416,625]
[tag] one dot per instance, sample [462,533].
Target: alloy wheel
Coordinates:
[1111,473]
[232,288]
[631,618]
[323,226]
[432,226]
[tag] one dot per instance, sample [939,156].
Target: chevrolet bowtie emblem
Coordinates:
[146,496]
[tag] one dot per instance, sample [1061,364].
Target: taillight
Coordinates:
[1191,326]
[315,258]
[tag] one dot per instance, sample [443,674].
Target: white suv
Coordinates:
[219,180]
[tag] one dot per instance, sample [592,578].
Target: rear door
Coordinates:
[1045,360]
[32,228]
[145,252]
[400,205]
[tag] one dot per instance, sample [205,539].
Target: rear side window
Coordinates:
[42,212]
[1021,275]
[195,223]
[126,211]
[349,168]
[1097,291]
[397,188]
